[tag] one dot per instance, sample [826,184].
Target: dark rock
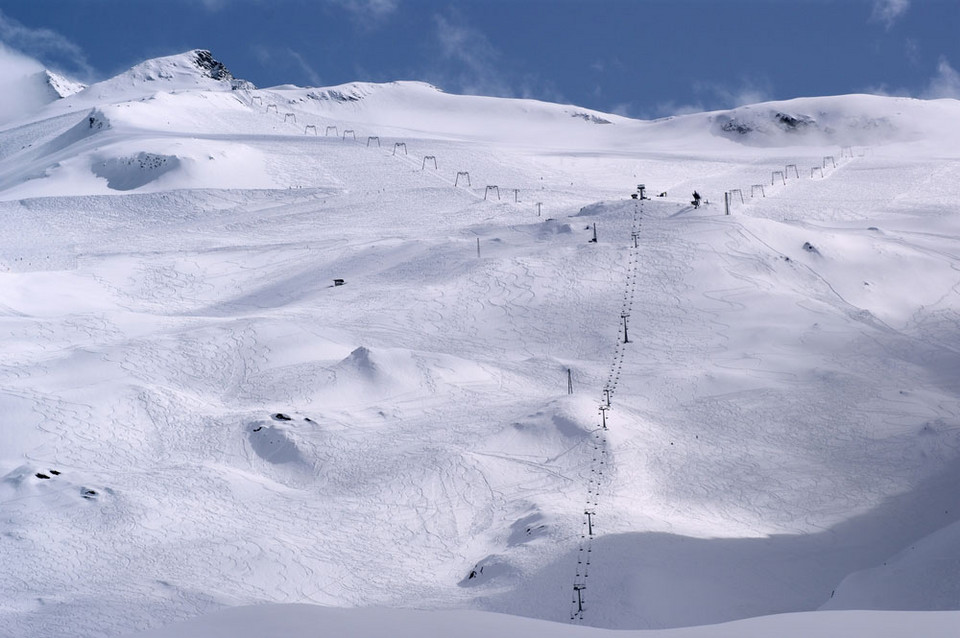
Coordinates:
[212,68]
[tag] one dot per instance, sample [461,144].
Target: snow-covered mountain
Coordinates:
[356,347]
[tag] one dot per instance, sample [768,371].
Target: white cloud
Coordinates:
[45,45]
[946,82]
[721,96]
[22,95]
[889,11]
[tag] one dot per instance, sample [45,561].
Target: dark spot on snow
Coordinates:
[810,248]
[334,95]
[491,569]
[258,429]
[591,118]
[733,126]
[280,416]
[794,122]
[526,529]
[308,419]
[88,494]
[41,475]
[55,472]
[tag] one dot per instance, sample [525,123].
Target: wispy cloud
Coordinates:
[46,45]
[711,96]
[213,5]
[887,12]
[368,13]
[720,96]
[945,83]
[286,58]
[473,63]
[308,70]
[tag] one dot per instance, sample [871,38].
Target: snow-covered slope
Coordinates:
[843,120]
[314,345]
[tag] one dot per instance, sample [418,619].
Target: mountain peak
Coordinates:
[59,85]
[196,69]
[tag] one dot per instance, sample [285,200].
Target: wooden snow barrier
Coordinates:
[846,151]
[738,192]
[290,116]
[371,139]
[306,129]
[816,169]
[402,145]
[331,128]
[786,170]
[773,177]
[350,131]
[753,190]
[830,158]
[464,174]
[491,188]
[272,106]
[429,157]
[257,99]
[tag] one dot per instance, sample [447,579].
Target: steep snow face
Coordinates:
[61,86]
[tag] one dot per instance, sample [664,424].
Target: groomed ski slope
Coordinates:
[220,425]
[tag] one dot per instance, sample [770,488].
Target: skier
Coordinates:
[696,199]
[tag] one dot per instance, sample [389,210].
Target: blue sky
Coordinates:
[643,58]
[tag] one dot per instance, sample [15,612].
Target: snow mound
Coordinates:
[369,375]
[923,577]
[360,364]
[274,444]
[96,121]
[128,173]
[56,488]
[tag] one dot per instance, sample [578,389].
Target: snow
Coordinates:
[224,433]
[305,620]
